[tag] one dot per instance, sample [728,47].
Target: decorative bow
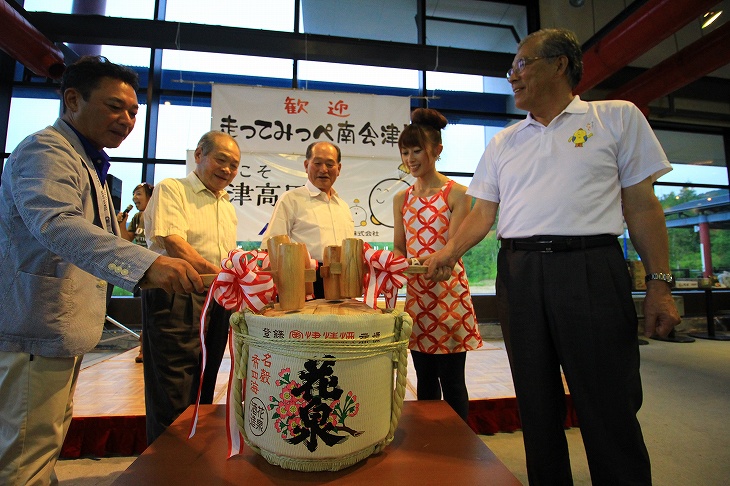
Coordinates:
[385,275]
[241,284]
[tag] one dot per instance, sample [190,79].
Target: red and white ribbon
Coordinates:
[235,439]
[240,284]
[385,275]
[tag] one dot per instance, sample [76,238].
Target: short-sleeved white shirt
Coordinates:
[566,178]
[185,207]
[309,216]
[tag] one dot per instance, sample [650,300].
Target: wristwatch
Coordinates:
[666,277]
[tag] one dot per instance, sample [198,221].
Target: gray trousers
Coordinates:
[36,406]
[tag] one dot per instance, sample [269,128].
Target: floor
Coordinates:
[684,417]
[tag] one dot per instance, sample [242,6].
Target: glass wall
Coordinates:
[277,15]
[476,106]
[28,115]
[694,194]
[182,62]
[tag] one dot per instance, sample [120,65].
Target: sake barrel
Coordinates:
[320,388]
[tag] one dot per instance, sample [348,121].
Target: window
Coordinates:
[55,6]
[700,203]
[463,146]
[208,62]
[687,209]
[133,9]
[28,115]
[179,129]
[163,171]
[375,19]
[357,75]
[467,83]
[130,173]
[697,158]
[253,14]
[129,56]
[138,9]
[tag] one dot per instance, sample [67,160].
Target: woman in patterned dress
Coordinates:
[426,214]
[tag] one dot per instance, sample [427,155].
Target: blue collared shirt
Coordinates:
[98,157]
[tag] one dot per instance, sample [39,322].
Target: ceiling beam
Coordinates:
[93,29]
[690,64]
[639,32]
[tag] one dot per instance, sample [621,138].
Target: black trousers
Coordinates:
[574,309]
[172,354]
[442,372]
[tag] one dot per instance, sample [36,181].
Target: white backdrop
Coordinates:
[273,128]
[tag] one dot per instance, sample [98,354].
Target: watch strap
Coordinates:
[665,277]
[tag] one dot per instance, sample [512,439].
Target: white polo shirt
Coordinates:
[566,178]
[185,207]
[308,216]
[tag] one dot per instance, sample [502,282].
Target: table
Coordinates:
[710,334]
[432,445]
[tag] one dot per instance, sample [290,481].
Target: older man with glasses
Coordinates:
[565,179]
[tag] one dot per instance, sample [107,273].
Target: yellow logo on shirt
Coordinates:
[580,137]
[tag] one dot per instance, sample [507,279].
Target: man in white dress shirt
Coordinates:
[314,214]
[193,219]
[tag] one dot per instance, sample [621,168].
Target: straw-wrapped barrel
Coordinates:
[322,387]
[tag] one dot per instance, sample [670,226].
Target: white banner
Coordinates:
[285,121]
[273,128]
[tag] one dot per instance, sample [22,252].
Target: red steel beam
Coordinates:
[28,45]
[648,26]
[698,59]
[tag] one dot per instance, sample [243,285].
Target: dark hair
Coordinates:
[424,130]
[308,154]
[208,141]
[86,74]
[560,42]
[147,188]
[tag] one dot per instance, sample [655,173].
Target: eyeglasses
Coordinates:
[522,62]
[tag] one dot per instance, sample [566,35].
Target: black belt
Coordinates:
[550,244]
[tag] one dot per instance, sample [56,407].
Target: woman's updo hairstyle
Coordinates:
[424,130]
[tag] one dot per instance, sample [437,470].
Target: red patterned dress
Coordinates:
[442,312]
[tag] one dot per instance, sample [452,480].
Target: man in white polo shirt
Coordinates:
[314,214]
[193,219]
[564,180]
